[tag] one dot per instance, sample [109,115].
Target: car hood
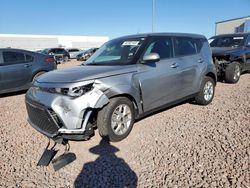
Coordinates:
[222,51]
[83,73]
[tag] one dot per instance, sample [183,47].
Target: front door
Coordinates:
[160,81]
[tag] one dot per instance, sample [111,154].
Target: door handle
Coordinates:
[27,65]
[200,61]
[174,65]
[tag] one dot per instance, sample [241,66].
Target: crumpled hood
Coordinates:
[83,73]
[222,51]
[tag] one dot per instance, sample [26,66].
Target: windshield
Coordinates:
[228,41]
[116,52]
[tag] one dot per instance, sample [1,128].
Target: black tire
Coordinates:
[201,98]
[104,119]
[37,75]
[66,58]
[232,72]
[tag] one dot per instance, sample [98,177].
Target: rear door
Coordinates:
[160,82]
[15,70]
[190,63]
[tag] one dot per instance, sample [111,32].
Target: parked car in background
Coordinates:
[231,55]
[126,79]
[61,55]
[73,52]
[19,68]
[87,54]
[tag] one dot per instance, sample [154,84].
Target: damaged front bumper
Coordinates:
[63,117]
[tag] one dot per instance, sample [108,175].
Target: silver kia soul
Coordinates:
[126,79]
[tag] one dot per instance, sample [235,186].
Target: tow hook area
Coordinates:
[59,162]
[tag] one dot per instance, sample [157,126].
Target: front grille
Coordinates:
[40,117]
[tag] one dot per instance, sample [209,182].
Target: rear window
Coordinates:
[60,51]
[13,57]
[73,50]
[184,46]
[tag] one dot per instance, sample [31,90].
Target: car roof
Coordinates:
[16,50]
[164,34]
[231,35]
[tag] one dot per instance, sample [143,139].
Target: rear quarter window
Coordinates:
[198,44]
[28,58]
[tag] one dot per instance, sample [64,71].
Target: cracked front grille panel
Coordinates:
[40,117]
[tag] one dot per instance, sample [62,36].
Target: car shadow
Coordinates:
[12,94]
[107,170]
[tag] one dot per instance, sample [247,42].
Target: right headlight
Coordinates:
[71,92]
[79,91]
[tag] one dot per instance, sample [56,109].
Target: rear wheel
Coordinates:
[115,120]
[232,72]
[206,94]
[66,58]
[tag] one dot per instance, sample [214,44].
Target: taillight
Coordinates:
[49,60]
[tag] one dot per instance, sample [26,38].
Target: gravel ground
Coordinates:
[184,146]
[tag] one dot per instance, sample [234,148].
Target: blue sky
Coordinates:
[115,18]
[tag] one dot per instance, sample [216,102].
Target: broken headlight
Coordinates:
[79,91]
[71,92]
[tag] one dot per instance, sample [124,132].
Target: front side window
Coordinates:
[162,46]
[116,52]
[184,46]
[13,57]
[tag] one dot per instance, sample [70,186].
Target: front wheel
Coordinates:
[115,120]
[206,94]
[232,72]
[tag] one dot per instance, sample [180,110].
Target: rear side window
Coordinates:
[162,46]
[13,57]
[184,46]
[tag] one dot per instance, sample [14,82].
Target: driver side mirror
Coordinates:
[152,57]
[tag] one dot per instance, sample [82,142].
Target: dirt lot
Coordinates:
[184,146]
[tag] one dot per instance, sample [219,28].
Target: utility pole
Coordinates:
[153,16]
